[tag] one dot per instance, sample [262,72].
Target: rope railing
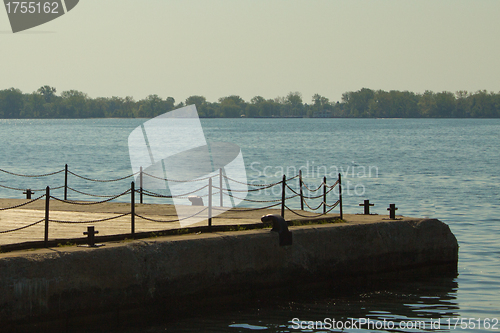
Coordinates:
[334,205]
[21,228]
[310,190]
[221,191]
[316,208]
[183,196]
[176,220]
[101,180]
[248,184]
[90,195]
[33,190]
[23,204]
[176,180]
[153,195]
[91,221]
[250,200]
[250,209]
[31,176]
[18,206]
[92,202]
[305,197]
[318,215]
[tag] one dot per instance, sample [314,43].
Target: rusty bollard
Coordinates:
[28,193]
[91,232]
[367,205]
[392,211]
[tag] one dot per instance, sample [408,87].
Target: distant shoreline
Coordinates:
[364,103]
[485,118]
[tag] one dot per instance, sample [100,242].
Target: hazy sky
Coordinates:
[218,48]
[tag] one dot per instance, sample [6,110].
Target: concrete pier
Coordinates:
[16,218]
[52,283]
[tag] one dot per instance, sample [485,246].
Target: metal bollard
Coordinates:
[91,232]
[367,205]
[28,193]
[392,211]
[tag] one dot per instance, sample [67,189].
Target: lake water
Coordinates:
[442,168]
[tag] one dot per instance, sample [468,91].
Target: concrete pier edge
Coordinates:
[184,270]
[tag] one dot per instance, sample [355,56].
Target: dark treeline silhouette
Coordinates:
[364,103]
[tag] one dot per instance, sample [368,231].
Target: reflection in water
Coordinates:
[425,300]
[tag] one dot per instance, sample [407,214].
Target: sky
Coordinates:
[268,48]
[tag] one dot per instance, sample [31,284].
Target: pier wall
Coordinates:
[55,282]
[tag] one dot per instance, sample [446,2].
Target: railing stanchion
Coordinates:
[47,200]
[324,195]
[283,190]
[210,202]
[220,188]
[340,197]
[301,191]
[140,183]
[132,209]
[66,182]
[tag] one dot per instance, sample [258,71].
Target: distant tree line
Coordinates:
[364,103]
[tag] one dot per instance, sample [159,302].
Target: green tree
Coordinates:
[11,103]
[294,104]
[357,104]
[151,107]
[463,108]
[427,104]
[483,105]
[257,100]
[196,100]
[48,93]
[232,106]
[33,106]
[445,104]
[74,104]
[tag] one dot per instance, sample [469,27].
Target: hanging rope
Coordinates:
[23,204]
[21,228]
[91,221]
[100,180]
[91,203]
[32,176]
[91,195]
[163,221]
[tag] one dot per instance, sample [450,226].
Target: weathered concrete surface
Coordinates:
[62,280]
[17,218]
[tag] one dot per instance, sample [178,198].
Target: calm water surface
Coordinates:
[442,168]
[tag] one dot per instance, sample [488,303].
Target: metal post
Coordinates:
[132,209]
[91,232]
[66,182]
[210,201]
[220,187]
[47,200]
[140,183]
[28,193]
[324,195]
[301,191]
[392,211]
[283,188]
[340,197]
[367,205]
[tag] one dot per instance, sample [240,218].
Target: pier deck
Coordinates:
[16,218]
